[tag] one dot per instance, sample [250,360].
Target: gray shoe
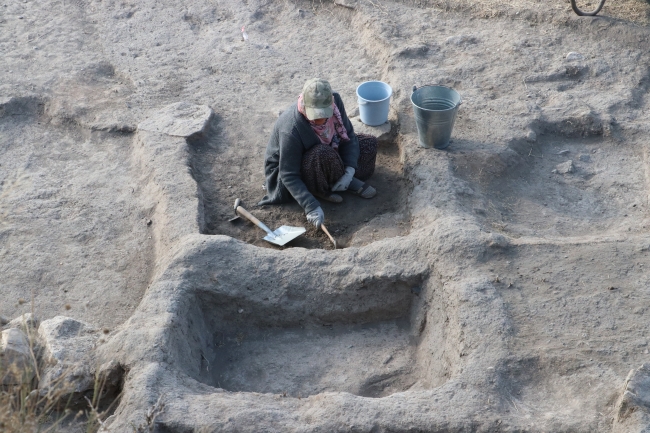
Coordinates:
[361,188]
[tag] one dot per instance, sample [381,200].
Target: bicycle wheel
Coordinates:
[587,7]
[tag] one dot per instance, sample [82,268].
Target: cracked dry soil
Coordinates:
[491,287]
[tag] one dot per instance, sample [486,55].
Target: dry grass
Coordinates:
[635,11]
[23,409]
[150,417]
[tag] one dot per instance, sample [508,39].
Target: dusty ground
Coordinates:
[486,288]
[354,222]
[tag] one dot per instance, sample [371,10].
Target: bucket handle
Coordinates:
[416,88]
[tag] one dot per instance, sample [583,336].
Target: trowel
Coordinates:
[280,236]
[322,226]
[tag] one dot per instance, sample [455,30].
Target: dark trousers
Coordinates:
[322,166]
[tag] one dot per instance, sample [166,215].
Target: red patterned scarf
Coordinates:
[327,131]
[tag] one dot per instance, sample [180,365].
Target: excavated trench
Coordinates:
[222,176]
[370,360]
[92,227]
[558,186]
[367,347]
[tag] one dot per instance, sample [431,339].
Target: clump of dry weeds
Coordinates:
[26,409]
[635,11]
[22,411]
[150,417]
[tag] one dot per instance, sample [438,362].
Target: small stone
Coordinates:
[241,310]
[531,136]
[181,119]
[565,167]
[68,351]
[573,56]
[346,4]
[388,359]
[636,395]
[16,362]
[149,222]
[496,240]
[23,322]
[461,40]
[382,132]
[3,320]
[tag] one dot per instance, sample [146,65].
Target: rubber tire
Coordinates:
[587,14]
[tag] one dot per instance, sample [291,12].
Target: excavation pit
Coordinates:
[556,187]
[372,347]
[370,360]
[223,175]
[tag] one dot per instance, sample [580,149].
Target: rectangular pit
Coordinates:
[558,186]
[223,174]
[370,360]
[392,341]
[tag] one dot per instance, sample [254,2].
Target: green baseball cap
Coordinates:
[317,96]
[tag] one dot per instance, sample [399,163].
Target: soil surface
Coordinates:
[355,221]
[498,285]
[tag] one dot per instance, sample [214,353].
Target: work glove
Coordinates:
[343,183]
[316,217]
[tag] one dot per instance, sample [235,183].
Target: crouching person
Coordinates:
[314,152]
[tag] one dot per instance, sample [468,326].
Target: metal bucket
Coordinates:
[435,110]
[374,102]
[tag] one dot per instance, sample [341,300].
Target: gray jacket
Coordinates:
[292,136]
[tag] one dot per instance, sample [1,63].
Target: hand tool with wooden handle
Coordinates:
[279,236]
[328,234]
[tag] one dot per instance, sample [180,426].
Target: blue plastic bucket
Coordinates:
[374,102]
[435,109]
